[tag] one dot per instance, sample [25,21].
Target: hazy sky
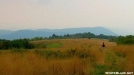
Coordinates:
[116,15]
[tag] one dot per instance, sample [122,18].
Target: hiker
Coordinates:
[103,46]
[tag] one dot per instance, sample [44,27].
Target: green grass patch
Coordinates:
[50,54]
[15,50]
[54,45]
[100,69]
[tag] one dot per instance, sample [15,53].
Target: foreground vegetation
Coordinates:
[67,57]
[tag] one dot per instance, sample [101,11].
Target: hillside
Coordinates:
[48,32]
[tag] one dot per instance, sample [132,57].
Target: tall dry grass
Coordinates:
[126,54]
[73,57]
[30,64]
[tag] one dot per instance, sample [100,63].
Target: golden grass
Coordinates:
[76,57]
[31,64]
[126,53]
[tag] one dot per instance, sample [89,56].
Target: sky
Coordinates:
[116,15]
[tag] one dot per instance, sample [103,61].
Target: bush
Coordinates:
[71,52]
[123,40]
[129,39]
[18,43]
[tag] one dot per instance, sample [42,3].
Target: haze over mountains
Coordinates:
[6,34]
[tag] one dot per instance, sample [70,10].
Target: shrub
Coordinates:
[123,40]
[18,43]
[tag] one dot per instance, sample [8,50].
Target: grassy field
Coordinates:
[68,57]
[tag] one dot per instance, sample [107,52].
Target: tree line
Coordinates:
[77,35]
[123,40]
[120,40]
[17,43]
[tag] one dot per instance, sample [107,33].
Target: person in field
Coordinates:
[103,46]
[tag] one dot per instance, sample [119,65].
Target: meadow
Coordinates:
[68,57]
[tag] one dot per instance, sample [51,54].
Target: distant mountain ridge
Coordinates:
[6,34]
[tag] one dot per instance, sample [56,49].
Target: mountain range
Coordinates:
[10,35]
